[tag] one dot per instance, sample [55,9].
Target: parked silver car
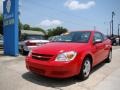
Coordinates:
[1,42]
[30,41]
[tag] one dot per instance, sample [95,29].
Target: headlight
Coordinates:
[66,56]
[30,53]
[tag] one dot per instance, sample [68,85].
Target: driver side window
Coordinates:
[97,36]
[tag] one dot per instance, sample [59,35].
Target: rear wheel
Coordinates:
[23,52]
[85,69]
[109,58]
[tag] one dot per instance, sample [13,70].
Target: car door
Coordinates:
[98,48]
[107,46]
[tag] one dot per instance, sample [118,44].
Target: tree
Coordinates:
[1,24]
[20,28]
[56,31]
[26,27]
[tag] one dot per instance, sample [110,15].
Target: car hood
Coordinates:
[56,47]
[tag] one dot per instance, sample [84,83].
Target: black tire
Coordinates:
[82,75]
[109,57]
[23,52]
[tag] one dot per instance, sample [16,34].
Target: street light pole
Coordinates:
[118,30]
[110,27]
[112,22]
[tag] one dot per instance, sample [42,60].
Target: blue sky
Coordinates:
[71,14]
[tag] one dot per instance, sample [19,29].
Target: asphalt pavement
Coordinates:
[15,76]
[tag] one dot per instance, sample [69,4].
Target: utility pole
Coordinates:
[107,32]
[118,30]
[94,28]
[110,27]
[113,13]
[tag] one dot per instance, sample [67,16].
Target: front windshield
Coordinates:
[81,37]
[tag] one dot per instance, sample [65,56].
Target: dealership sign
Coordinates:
[10,26]
[8,17]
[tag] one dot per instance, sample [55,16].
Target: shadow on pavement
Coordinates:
[98,66]
[56,83]
[49,82]
[1,54]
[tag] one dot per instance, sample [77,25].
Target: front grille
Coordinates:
[44,57]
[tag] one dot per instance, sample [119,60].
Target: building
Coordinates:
[31,32]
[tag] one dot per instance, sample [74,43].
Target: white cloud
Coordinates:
[50,23]
[76,5]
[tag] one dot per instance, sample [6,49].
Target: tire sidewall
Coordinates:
[81,74]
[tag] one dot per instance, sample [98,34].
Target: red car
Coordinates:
[76,53]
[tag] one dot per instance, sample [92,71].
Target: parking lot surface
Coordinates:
[15,76]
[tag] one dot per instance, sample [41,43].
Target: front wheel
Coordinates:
[85,69]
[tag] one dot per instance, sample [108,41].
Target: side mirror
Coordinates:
[97,41]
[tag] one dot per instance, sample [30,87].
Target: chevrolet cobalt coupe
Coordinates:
[75,54]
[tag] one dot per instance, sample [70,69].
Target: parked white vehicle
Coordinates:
[1,41]
[31,41]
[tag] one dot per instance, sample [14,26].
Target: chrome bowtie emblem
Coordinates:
[39,56]
[8,6]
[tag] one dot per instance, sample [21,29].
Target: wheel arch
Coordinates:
[80,71]
[111,49]
[90,57]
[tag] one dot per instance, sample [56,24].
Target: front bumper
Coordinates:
[52,68]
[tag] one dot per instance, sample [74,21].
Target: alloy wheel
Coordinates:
[86,68]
